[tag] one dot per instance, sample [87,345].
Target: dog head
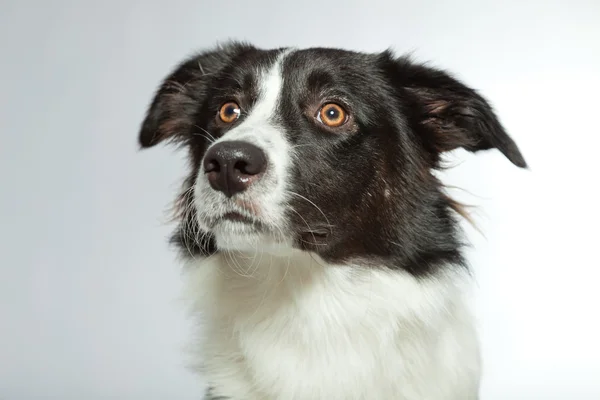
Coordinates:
[323,150]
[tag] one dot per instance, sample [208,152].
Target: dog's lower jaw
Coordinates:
[295,328]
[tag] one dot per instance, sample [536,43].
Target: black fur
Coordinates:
[372,180]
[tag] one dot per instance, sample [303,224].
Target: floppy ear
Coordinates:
[173,110]
[456,114]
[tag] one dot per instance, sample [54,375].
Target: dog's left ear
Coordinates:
[172,112]
[455,115]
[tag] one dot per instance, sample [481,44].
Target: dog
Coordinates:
[323,256]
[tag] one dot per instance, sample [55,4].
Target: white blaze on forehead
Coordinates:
[270,84]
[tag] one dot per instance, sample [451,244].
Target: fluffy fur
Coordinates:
[343,276]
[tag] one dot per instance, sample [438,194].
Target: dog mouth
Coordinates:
[314,239]
[238,217]
[235,214]
[239,222]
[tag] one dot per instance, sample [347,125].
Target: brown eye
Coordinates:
[332,115]
[229,112]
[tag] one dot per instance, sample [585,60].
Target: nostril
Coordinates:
[242,167]
[250,161]
[245,167]
[212,166]
[249,166]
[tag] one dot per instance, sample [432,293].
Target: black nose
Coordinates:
[232,166]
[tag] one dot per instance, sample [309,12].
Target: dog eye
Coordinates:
[229,112]
[332,115]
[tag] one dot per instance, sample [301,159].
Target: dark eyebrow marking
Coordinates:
[248,82]
[319,80]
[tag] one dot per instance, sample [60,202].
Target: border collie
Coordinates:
[324,256]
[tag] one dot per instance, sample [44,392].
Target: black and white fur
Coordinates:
[349,282]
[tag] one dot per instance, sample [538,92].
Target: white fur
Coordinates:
[279,324]
[294,328]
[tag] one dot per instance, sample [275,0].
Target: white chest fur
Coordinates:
[293,328]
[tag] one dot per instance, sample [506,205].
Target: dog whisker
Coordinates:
[329,225]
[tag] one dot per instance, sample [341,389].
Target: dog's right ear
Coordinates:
[453,114]
[173,110]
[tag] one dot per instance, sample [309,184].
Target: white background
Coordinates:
[88,285]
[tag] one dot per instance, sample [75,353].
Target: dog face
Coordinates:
[322,150]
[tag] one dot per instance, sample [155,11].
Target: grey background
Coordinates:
[88,286]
